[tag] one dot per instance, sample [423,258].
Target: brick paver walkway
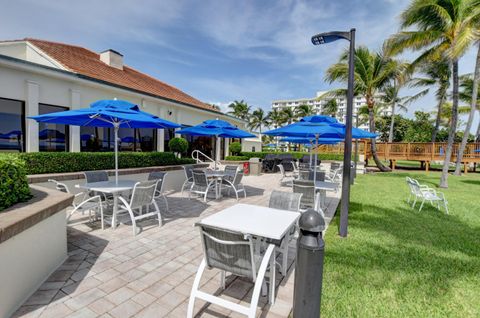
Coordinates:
[113,274]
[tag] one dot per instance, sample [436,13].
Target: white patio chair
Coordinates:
[236,185]
[98,176]
[289,202]
[234,253]
[425,193]
[201,185]
[82,202]
[286,178]
[309,198]
[229,172]
[159,193]
[143,195]
[188,178]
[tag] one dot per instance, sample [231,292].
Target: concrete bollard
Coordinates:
[309,266]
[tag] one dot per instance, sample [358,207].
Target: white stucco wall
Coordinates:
[36,85]
[28,259]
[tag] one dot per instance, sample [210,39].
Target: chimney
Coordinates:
[112,58]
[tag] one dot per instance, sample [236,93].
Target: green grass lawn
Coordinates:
[398,262]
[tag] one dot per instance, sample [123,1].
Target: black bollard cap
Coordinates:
[311,221]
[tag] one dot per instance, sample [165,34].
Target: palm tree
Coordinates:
[258,119]
[330,108]
[372,72]
[240,109]
[435,73]
[391,99]
[441,28]
[275,118]
[473,108]
[304,111]
[288,115]
[466,93]
[446,113]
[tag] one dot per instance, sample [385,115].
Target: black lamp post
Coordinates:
[323,38]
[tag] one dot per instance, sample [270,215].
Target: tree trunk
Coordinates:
[371,120]
[437,120]
[477,135]
[392,123]
[466,133]
[453,127]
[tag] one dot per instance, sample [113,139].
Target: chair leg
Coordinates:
[160,221]
[166,202]
[196,284]
[421,205]
[222,279]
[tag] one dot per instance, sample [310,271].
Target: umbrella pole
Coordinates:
[316,156]
[311,154]
[116,126]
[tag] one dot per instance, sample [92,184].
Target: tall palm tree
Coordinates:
[471,114]
[391,99]
[304,111]
[372,72]
[240,109]
[288,115]
[275,118]
[330,108]
[440,28]
[435,73]
[446,113]
[466,93]
[258,119]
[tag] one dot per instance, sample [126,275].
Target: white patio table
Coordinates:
[256,220]
[110,187]
[218,176]
[325,185]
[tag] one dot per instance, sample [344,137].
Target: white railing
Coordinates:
[200,157]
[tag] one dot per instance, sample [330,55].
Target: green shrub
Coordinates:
[235,148]
[57,162]
[178,145]
[13,181]
[236,158]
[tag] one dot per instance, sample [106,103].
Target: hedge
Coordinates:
[295,154]
[57,162]
[236,158]
[13,181]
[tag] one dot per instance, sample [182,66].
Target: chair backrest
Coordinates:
[320,175]
[238,178]
[95,176]
[199,178]
[229,251]
[230,171]
[334,165]
[303,174]
[295,165]
[304,165]
[143,193]
[282,169]
[285,200]
[160,176]
[60,186]
[307,189]
[188,171]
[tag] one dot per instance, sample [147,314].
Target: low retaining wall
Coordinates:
[33,243]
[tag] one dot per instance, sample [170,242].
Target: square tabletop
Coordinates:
[253,219]
[108,186]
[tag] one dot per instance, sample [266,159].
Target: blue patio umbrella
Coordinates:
[108,113]
[308,142]
[215,128]
[318,126]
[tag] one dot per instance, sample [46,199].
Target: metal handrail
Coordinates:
[197,153]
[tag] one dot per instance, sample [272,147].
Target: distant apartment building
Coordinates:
[318,102]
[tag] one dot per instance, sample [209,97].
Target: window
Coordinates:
[52,137]
[12,127]
[102,139]
[169,134]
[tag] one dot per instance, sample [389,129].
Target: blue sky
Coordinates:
[217,51]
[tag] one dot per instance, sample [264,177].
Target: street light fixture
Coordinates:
[324,38]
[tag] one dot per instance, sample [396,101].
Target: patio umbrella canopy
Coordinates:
[215,128]
[318,126]
[108,113]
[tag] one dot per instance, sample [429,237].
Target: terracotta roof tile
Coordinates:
[85,62]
